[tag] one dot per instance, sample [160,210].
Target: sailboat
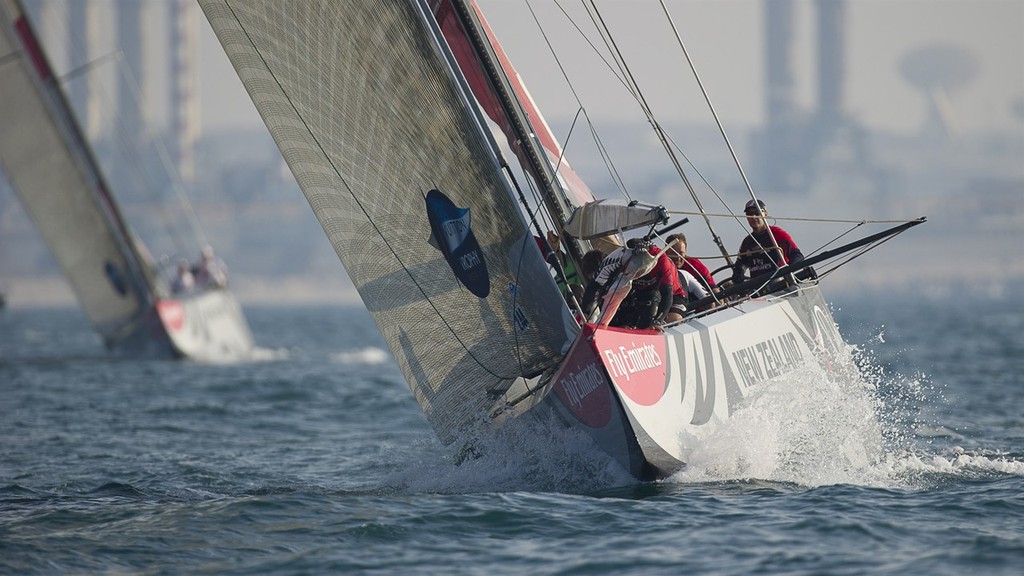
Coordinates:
[387,114]
[54,173]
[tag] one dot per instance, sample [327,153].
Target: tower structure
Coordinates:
[183,108]
[130,24]
[796,145]
[781,143]
[831,66]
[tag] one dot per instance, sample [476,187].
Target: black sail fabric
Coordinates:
[363,106]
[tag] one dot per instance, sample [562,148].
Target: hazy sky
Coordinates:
[724,38]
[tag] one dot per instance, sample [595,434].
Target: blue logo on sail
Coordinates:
[452,234]
[115,277]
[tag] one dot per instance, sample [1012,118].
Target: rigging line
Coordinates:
[127,150]
[138,167]
[559,269]
[555,195]
[495,68]
[602,31]
[355,198]
[572,126]
[88,66]
[863,251]
[704,179]
[795,218]
[714,234]
[613,172]
[621,61]
[834,240]
[147,181]
[561,153]
[618,75]
[165,159]
[538,200]
[597,52]
[607,160]
[707,98]
[662,136]
[9,58]
[602,150]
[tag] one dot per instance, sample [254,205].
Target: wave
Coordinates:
[527,454]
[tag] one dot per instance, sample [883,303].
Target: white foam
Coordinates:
[268,354]
[368,355]
[955,461]
[817,428]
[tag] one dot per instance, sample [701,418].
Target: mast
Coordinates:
[537,163]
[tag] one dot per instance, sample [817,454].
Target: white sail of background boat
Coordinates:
[52,170]
[383,112]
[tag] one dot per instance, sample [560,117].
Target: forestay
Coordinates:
[370,119]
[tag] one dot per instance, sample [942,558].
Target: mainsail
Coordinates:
[45,156]
[368,113]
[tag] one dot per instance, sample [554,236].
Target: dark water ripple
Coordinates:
[316,460]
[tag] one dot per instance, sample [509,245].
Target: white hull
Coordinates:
[665,392]
[206,327]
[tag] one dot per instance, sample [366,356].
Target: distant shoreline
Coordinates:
[877,283]
[55,292]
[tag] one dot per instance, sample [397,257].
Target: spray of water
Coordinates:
[848,419]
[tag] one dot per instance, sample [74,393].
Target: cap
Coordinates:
[752,205]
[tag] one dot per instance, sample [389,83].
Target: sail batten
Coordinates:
[375,129]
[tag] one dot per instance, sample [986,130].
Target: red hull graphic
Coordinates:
[635,361]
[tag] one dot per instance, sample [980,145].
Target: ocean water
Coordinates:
[314,459]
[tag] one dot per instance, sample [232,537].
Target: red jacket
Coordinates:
[754,251]
[664,272]
[699,271]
